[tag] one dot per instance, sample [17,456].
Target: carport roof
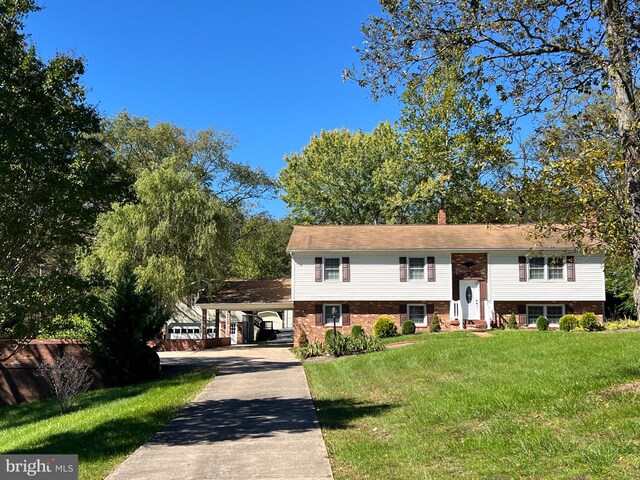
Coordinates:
[259,294]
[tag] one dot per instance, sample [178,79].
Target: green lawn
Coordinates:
[105,426]
[521,404]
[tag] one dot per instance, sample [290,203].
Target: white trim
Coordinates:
[545,269]
[544,312]
[329,323]
[324,270]
[425,321]
[424,269]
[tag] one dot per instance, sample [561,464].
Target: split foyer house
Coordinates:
[470,275]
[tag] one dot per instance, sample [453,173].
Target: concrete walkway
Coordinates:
[255,420]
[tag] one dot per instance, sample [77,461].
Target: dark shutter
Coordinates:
[403,269]
[522,264]
[569,309]
[431,269]
[319,319]
[430,311]
[346,270]
[346,316]
[403,313]
[571,268]
[318,269]
[522,314]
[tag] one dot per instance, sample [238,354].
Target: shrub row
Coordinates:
[621,324]
[337,344]
[580,323]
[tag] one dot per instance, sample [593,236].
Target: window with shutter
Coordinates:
[332,313]
[346,269]
[319,318]
[431,269]
[571,268]
[331,269]
[522,264]
[346,315]
[403,269]
[318,269]
[403,313]
[417,313]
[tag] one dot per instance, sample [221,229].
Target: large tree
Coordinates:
[460,140]
[348,177]
[573,181]
[185,209]
[140,147]
[260,251]
[174,235]
[539,54]
[55,177]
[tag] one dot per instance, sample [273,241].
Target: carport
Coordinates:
[233,307]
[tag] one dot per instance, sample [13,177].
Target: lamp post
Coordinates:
[334,314]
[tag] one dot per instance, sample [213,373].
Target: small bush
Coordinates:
[335,344]
[408,328]
[435,327]
[542,323]
[590,323]
[621,324]
[357,331]
[303,341]
[363,344]
[312,349]
[385,327]
[568,322]
[328,336]
[68,377]
[512,324]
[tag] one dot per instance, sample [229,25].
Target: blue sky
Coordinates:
[268,72]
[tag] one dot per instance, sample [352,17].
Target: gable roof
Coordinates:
[318,238]
[258,291]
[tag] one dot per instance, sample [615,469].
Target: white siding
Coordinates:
[374,276]
[504,281]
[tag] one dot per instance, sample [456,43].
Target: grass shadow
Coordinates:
[341,413]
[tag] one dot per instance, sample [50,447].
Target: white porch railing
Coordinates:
[489,312]
[455,312]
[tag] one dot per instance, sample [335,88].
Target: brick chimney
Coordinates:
[442,217]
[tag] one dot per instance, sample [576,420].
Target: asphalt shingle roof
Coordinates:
[421,237]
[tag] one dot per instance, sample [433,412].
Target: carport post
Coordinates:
[204,324]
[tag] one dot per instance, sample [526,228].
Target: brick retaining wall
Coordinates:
[190,345]
[19,381]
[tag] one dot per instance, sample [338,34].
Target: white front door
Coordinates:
[233,333]
[470,299]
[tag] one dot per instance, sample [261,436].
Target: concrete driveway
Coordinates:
[255,420]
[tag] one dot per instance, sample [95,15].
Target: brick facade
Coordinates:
[361,313]
[505,309]
[469,266]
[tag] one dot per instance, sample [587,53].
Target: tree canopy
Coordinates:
[538,56]
[55,177]
[260,251]
[140,147]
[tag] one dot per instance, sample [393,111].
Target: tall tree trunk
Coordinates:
[620,73]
